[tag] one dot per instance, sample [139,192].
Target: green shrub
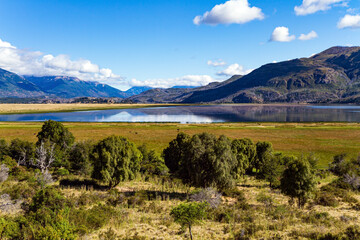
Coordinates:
[50,198]
[95,217]
[62,172]
[326,199]
[22,190]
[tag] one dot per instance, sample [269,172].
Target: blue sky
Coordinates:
[162,42]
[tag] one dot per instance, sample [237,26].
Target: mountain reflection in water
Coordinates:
[204,114]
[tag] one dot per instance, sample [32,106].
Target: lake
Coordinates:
[204,114]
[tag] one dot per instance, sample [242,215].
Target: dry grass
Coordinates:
[323,139]
[42,108]
[152,220]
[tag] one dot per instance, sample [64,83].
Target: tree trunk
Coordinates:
[191,237]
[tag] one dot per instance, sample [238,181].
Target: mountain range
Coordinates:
[332,76]
[15,86]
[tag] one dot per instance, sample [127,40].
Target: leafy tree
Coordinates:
[176,152]
[298,180]
[189,214]
[56,133]
[115,160]
[245,152]
[79,157]
[22,151]
[272,170]
[152,163]
[264,153]
[209,162]
[4,148]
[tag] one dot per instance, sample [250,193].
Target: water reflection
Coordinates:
[204,114]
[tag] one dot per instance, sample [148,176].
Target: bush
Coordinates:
[49,198]
[209,195]
[62,172]
[4,173]
[189,214]
[326,199]
[22,190]
[95,217]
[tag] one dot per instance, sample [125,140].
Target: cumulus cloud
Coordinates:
[232,11]
[349,21]
[217,63]
[312,6]
[188,80]
[281,34]
[234,69]
[24,62]
[309,36]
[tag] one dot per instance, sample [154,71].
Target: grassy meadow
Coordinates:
[322,139]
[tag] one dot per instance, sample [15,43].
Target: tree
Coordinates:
[152,163]
[79,157]
[176,152]
[189,214]
[56,133]
[264,153]
[4,148]
[115,160]
[22,151]
[209,162]
[245,152]
[272,170]
[44,156]
[298,180]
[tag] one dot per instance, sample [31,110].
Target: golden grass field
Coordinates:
[42,108]
[322,139]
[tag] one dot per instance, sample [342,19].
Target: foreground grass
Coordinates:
[322,139]
[269,219]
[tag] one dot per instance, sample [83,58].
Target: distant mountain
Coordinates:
[332,76]
[70,87]
[183,87]
[136,90]
[12,85]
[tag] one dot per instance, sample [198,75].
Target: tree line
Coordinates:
[201,160]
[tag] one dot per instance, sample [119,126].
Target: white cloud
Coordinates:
[309,36]
[232,11]
[313,6]
[349,21]
[5,44]
[281,34]
[24,62]
[234,69]
[188,80]
[217,63]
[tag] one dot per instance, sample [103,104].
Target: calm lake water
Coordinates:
[204,114]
